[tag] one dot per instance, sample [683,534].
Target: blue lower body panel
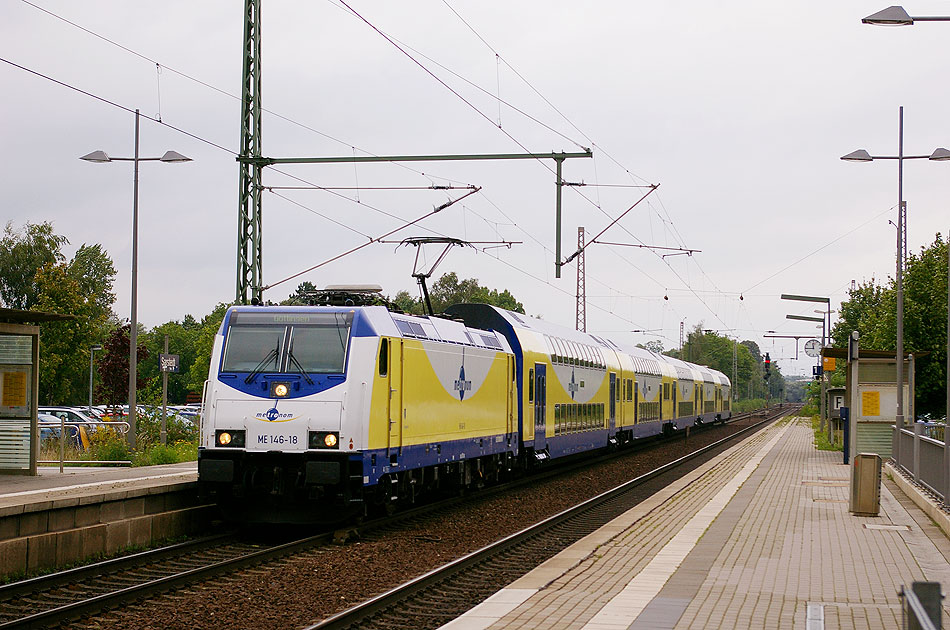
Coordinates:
[387,461]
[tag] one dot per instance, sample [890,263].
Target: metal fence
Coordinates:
[75,429]
[921,606]
[920,452]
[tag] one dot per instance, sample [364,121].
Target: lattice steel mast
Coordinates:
[581,284]
[249,260]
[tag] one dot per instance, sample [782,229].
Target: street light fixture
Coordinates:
[99,157]
[92,353]
[897,16]
[939,155]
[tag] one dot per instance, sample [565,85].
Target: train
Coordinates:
[323,414]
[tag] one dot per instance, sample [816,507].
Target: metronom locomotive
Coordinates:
[318,414]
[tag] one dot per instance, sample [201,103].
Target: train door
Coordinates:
[613,402]
[512,398]
[540,406]
[395,377]
[676,390]
[636,401]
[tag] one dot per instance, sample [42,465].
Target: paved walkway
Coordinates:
[760,537]
[89,481]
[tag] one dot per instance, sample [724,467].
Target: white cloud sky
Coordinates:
[739,111]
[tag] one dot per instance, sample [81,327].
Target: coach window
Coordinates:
[384,357]
[531,385]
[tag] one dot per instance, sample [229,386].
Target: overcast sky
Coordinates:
[737,110]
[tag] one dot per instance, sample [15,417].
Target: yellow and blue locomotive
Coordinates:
[319,413]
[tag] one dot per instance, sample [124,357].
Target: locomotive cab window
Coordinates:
[383,357]
[311,343]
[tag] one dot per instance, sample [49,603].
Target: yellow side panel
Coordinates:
[433,414]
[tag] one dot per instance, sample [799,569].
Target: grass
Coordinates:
[821,437]
[110,446]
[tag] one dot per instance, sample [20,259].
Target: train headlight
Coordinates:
[230,438]
[279,390]
[323,439]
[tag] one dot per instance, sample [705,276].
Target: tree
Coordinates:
[449,290]
[302,295]
[708,348]
[204,344]
[653,346]
[83,290]
[22,254]
[94,273]
[181,341]
[871,310]
[113,367]
[62,360]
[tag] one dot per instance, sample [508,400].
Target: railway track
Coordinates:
[443,594]
[48,600]
[84,591]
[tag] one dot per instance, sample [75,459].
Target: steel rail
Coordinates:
[71,611]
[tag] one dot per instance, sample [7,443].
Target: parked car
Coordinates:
[49,427]
[69,414]
[84,425]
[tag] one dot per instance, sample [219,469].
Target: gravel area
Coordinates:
[305,588]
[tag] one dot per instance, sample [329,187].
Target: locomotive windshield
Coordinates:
[311,343]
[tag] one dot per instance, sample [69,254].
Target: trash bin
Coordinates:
[866,485]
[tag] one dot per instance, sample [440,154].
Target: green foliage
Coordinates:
[749,404]
[107,446]
[83,290]
[711,349]
[203,344]
[166,454]
[181,341]
[148,428]
[821,437]
[653,346]
[302,295]
[449,290]
[113,367]
[21,254]
[871,310]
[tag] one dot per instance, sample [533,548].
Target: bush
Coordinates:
[148,428]
[106,445]
[742,406]
[821,437]
[166,454]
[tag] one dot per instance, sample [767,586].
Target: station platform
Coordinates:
[54,519]
[759,537]
[49,484]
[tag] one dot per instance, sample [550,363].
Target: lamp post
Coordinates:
[101,156]
[897,16]
[92,353]
[940,154]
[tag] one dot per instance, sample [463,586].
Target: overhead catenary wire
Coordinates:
[198,138]
[377,239]
[294,122]
[224,92]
